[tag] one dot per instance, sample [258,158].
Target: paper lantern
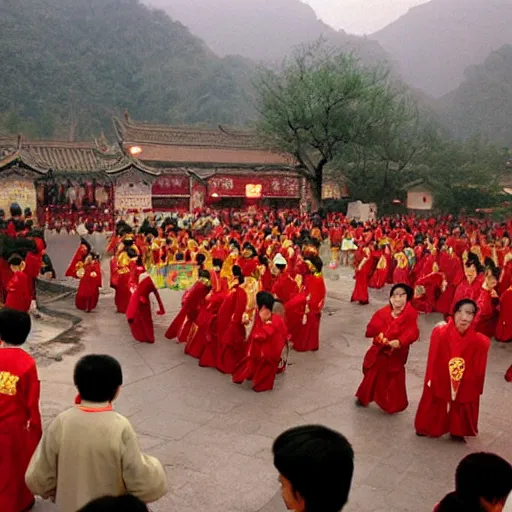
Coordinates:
[253,191]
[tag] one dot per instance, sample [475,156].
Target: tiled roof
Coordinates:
[67,157]
[130,132]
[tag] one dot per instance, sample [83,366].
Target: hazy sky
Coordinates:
[361,16]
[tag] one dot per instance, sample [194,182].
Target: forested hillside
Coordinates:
[483,103]
[69,65]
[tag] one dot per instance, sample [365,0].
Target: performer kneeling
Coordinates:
[393,329]
[266,343]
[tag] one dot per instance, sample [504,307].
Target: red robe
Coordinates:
[19,295]
[5,276]
[454,381]
[231,330]
[88,292]
[138,313]
[508,375]
[451,267]
[285,288]
[310,336]
[380,274]
[295,310]
[191,304]
[432,284]
[383,366]
[20,426]
[504,323]
[204,340]
[360,293]
[266,343]
[487,316]
[467,290]
[33,264]
[79,256]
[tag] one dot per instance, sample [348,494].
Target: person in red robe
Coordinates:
[451,266]
[488,302]
[81,253]
[394,328]
[455,375]
[284,287]
[20,418]
[401,272]
[184,326]
[265,347]
[380,274]
[470,287]
[231,323]
[316,292]
[88,293]
[504,323]
[203,344]
[19,288]
[125,263]
[427,290]
[364,268]
[138,313]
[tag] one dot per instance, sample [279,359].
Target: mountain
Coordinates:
[435,42]
[483,103]
[264,30]
[69,65]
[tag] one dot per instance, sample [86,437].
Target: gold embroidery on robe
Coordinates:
[456,366]
[8,383]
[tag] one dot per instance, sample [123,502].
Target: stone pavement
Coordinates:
[215,438]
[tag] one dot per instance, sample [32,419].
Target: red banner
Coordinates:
[271,186]
[171,185]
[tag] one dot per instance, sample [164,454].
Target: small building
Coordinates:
[419,196]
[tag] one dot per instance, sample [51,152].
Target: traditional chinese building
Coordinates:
[226,168]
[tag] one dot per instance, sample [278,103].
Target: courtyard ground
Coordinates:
[215,438]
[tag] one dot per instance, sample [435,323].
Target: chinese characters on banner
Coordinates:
[19,191]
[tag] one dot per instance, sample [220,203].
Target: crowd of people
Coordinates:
[260,292]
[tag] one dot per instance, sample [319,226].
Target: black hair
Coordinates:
[204,274]
[265,299]
[15,260]
[14,326]
[262,259]
[237,272]
[474,260]
[97,377]
[125,503]
[131,252]
[200,259]
[317,262]
[478,475]
[405,287]
[217,262]
[463,302]
[83,241]
[319,464]
[494,272]
[94,255]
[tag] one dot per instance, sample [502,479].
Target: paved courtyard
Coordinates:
[215,438]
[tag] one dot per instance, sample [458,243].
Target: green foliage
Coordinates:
[483,103]
[319,105]
[69,65]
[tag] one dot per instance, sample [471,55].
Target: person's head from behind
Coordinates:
[98,378]
[265,302]
[483,481]
[315,467]
[126,503]
[14,327]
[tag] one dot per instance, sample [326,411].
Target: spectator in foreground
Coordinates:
[20,419]
[90,451]
[483,481]
[315,467]
[126,503]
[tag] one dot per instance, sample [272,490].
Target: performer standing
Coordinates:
[88,292]
[20,419]
[360,293]
[266,343]
[455,375]
[77,262]
[138,313]
[19,294]
[315,296]
[394,328]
